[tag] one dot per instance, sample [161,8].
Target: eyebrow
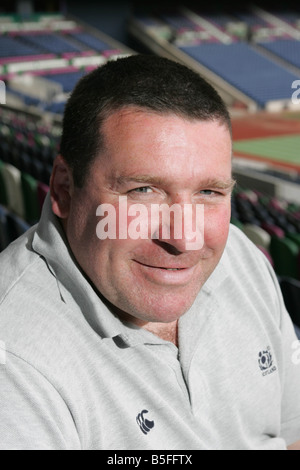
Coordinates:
[227,184]
[155,180]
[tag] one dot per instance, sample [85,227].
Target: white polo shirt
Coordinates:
[73,376]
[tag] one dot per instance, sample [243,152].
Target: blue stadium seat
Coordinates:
[91,41]
[12,47]
[52,43]
[287,49]
[67,80]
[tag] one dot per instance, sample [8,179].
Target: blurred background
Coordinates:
[249,53]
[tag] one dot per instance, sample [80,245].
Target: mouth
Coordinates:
[166,275]
[167,268]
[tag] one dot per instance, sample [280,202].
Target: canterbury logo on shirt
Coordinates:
[144,424]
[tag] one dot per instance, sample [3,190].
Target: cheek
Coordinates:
[216,226]
[133,222]
[81,231]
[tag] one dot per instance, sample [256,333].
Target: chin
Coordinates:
[166,309]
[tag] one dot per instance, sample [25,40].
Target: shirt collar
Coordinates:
[50,242]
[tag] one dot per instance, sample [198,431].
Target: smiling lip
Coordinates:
[171,274]
[169,267]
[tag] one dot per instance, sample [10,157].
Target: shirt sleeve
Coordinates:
[33,416]
[290,403]
[290,420]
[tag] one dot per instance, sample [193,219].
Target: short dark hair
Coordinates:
[144,81]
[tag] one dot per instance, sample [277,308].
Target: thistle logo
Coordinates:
[144,424]
[265,362]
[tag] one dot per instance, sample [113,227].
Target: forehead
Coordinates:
[142,141]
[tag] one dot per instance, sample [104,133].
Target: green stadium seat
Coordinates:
[295,237]
[285,253]
[237,223]
[3,194]
[257,235]
[12,181]
[291,293]
[30,197]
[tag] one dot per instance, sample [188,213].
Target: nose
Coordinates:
[181,226]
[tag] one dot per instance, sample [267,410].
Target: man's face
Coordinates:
[153,159]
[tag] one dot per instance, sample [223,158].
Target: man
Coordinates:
[119,341]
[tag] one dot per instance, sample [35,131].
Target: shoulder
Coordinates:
[246,279]
[31,309]
[238,243]
[15,261]
[24,275]
[243,258]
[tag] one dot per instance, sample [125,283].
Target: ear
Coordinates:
[61,184]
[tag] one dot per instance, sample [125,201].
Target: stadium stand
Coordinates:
[271,224]
[11,47]
[247,70]
[286,49]
[41,60]
[230,50]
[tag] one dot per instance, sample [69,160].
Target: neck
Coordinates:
[165,331]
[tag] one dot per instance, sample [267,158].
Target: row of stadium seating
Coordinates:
[273,225]
[27,150]
[28,146]
[51,43]
[21,193]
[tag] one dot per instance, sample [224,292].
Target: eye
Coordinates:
[208,192]
[142,189]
